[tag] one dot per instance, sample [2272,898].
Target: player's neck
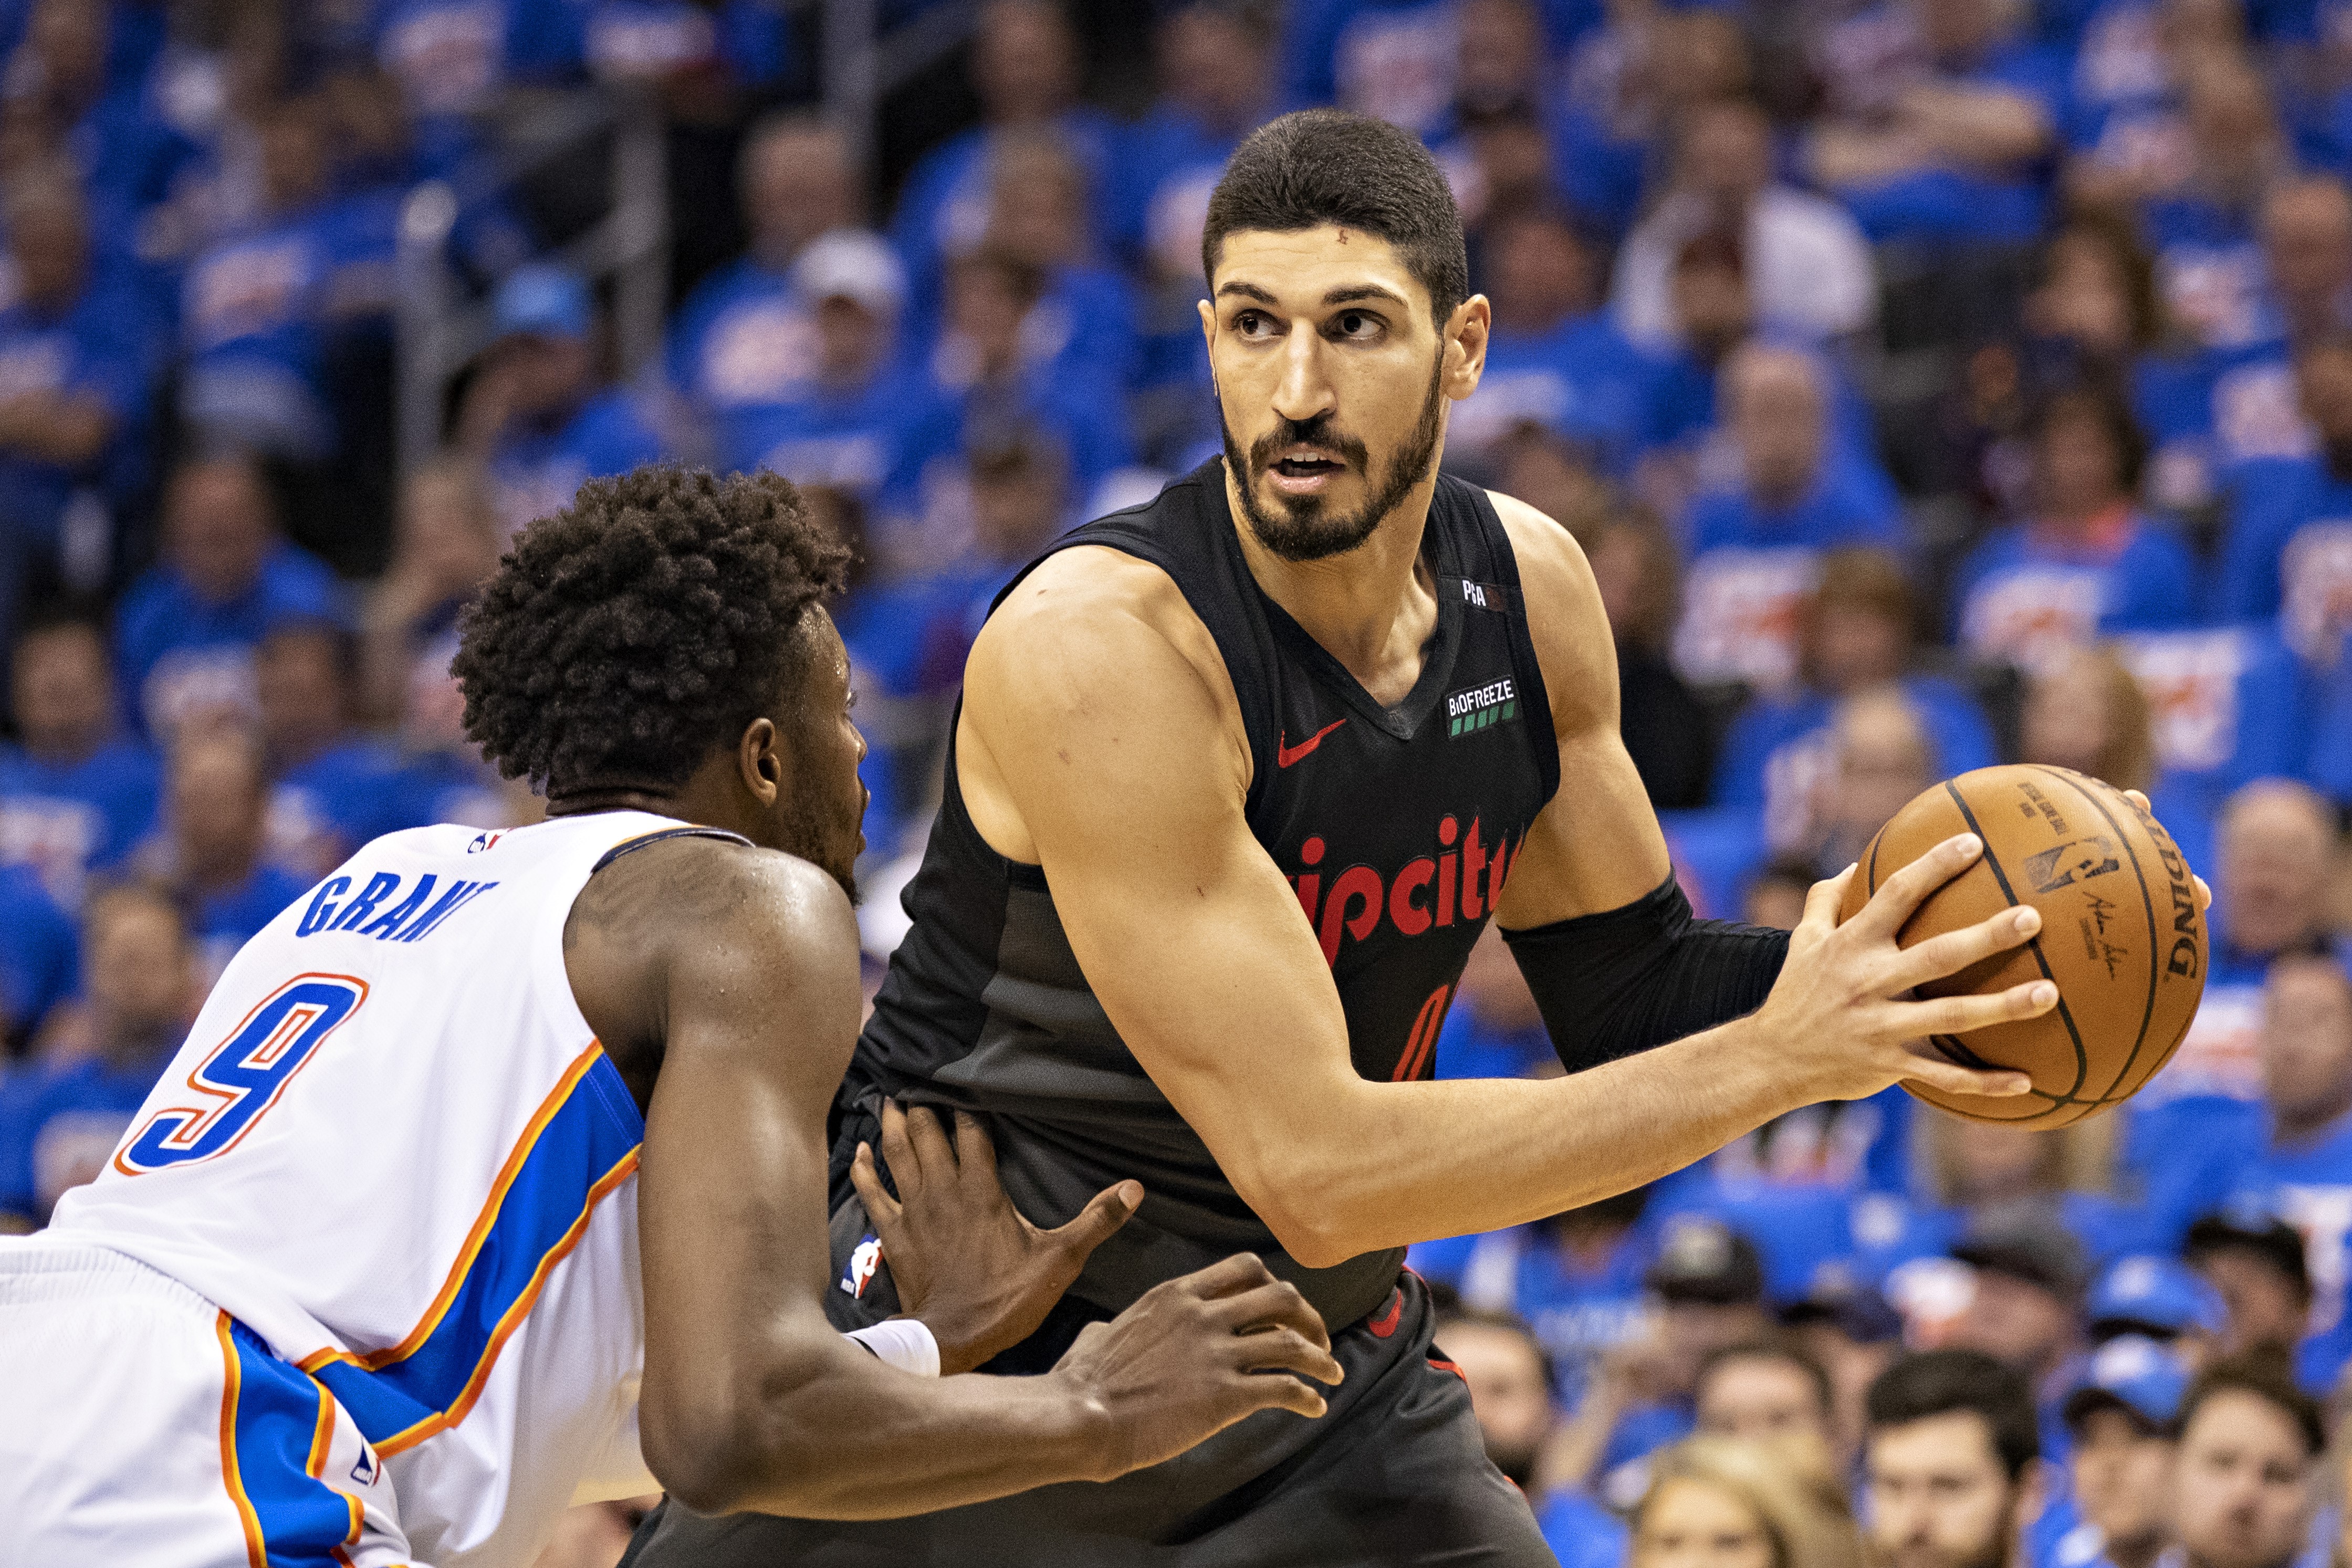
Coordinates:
[1373,608]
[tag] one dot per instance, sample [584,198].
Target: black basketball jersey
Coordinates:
[1397,828]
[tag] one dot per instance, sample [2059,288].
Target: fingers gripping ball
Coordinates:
[2121,933]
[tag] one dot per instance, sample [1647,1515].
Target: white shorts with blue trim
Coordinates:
[141,1427]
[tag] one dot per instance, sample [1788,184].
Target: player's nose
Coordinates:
[1305,390]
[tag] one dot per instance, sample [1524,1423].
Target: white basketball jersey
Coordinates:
[393,1148]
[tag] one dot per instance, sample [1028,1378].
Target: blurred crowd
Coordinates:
[1930,382]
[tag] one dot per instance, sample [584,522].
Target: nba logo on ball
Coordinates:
[863,1262]
[2121,934]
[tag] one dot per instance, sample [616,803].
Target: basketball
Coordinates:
[2121,934]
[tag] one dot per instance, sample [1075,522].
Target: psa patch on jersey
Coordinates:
[862,1261]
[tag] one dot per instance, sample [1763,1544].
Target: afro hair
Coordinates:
[627,637]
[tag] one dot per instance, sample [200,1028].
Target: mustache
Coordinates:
[1316,432]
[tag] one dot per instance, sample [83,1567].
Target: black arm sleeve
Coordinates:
[1627,979]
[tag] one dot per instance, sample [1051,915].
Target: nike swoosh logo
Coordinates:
[1284,755]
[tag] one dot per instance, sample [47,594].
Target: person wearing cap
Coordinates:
[1951,1461]
[2243,1487]
[857,420]
[1708,1285]
[2160,1298]
[2256,1262]
[2124,1426]
[2030,1274]
[538,415]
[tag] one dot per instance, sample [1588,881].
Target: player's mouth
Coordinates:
[1304,472]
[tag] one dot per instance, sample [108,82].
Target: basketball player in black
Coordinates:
[1238,778]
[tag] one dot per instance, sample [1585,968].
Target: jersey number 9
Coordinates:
[244,1076]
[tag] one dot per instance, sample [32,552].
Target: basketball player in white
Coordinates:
[492,1176]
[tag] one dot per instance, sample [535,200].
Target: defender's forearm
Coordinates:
[845,1437]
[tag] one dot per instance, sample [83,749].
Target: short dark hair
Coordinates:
[2099,398]
[629,636]
[1781,1348]
[2268,1375]
[1326,165]
[1941,1382]
[1502,1323]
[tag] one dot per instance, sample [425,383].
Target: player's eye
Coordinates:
[1251,323]
[1357,325]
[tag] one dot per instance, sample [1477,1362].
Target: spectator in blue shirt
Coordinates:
[1755,550]
[861,421]
[126,155]
[2288,549]
[75,379]
[1552,359]
[2088,564]
[1215,68]
[1512,1393]
[1709,1288]
[745,336]
[59,1122]
[184,632]
[76,793]
[1576,1278]
[1025,69]
[985,372]
[332,788]
[1393,59]
[453,58]
[2123,1425]
[447,541]
[2206,231]
[40,963]
[2303,1173]
[1948,1459]
[538,415]
[211,854]
[1939,123]
[257,309]
[1857,627]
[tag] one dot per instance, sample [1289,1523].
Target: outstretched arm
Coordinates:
[1099,740]
[735,970]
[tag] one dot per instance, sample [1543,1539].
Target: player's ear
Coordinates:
[761,762]
[1466,331]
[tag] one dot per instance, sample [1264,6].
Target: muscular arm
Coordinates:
[735,968]
[727,979]
[1100,740]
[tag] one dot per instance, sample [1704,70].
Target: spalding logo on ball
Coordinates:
[2121,934]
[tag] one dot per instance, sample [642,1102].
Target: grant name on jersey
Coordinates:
[407,913]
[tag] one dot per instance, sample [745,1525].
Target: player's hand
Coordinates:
[980,1276]
[1195,1355]
[1840,1021]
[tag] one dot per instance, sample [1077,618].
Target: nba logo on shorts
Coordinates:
[483,841]
[862,1264]
[365,1468]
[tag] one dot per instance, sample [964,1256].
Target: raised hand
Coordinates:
[980,1276]
[1195,1355]
[1841,1017]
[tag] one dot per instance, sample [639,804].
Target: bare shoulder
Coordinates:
[1090,630]
[694,913]
[1566,620]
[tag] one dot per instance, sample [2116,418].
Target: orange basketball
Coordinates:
[2121,933]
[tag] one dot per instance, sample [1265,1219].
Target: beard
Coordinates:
[1300,530]
[807,836]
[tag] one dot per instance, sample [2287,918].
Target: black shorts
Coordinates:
[1394,1473]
